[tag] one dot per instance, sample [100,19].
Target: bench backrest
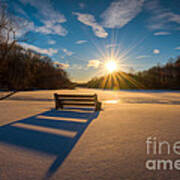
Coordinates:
[75,99]
[76,95]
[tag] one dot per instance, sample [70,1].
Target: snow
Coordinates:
[85,144]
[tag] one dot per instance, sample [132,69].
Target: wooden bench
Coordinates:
[62,100]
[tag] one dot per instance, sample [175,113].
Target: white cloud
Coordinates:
[161,21]
[51,18]
[61,65]
[120,12]
[172,17]
[67,52]
[178,48]
[89,20]
[94,63]
[142,56]
[81,42]
[50,28]
[156,51]
[21,28]
[58,29]
[161,33]
[44,30]
[25,27]
[49,51]
[162,18]
[51,42]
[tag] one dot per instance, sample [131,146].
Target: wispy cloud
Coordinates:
[81,42]
[51,28]
[61,65]
[45,8]
[51,42]
[67,52]
[89,20]
[112,45]
[51,18]
[94,63]
[142,56]
[120,12]
[177,48]
[49,51]
[162,33]
[162,18]
[82,5]
[25,27]
[156,51]
[19,10]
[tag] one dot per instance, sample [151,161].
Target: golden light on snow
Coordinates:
[111,66]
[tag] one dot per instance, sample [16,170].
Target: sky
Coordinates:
[81,35]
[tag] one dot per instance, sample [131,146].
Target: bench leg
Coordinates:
[61,106]
[98,106]
[58,105]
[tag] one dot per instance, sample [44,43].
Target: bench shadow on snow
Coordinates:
[23,134]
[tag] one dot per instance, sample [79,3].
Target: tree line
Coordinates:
[23,69]
[157,77]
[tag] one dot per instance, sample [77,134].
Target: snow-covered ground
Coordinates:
[38,142]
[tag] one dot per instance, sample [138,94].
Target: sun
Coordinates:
[111,66]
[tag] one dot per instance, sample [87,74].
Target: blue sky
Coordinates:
[81,35]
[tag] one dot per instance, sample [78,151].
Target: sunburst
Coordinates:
[111,66]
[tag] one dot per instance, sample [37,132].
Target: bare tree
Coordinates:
[7,31]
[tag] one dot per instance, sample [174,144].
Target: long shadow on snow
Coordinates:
[41,133]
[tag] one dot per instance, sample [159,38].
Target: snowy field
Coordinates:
[37,142]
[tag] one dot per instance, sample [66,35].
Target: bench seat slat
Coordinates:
[79,100]
[79,104]
[76,96]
